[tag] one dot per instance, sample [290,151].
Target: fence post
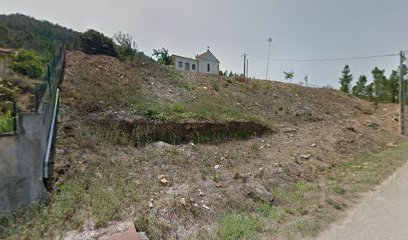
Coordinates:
[14,117]
[49,79]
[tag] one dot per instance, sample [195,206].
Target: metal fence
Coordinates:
[48,106]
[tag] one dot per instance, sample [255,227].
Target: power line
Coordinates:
[325,59]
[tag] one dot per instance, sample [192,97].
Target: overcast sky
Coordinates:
[300,29]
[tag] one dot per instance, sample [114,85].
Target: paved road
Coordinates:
[381,215]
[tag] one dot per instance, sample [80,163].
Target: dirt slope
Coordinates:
[217,190]
[97,82]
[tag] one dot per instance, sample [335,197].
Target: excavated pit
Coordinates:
[139,130]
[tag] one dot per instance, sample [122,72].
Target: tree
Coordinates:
[359,90]
[95,43]
[230,74]
[346,79]
[20,31]
[370,92]
[162,56]
[289,75]
[380,85]
[127,47]
[306,79]
[28,63]
[393,87]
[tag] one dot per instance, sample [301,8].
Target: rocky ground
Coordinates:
[289,183]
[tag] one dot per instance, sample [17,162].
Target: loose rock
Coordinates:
[201,193]
[257,191]
[290,130]
[142,236]
[164,182]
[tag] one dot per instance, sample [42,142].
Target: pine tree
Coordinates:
[289,75]
[380,85]
[346,79]
[359,90]
[370,92]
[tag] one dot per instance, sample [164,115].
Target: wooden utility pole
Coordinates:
[245,64]
[269,52]
[247,70]
[401,94]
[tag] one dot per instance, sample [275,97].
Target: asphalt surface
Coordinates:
[381,215]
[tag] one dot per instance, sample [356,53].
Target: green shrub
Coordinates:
[178,107]
[28,63]
[216,86]
[126,47]
[95,43]
[6,122]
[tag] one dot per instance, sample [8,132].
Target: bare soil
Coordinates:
[328,125]
[189,191]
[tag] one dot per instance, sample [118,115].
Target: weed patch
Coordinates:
[335,204]
[6,122]
[237,226]
[307,227]
[268,210]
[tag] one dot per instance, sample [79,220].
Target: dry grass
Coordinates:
[106,182]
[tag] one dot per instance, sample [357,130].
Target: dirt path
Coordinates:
[382,214]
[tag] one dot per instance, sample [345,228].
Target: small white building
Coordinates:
[203,63]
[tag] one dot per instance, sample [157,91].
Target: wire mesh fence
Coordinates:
[49,107]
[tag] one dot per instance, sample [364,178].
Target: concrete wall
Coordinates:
[21,165]
[203,66]
[208,63]
[183,60]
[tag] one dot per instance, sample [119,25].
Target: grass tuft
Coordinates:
[268,210]
[237,226]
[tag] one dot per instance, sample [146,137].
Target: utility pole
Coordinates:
[269,51]
[245,64]
[247,69]
[401,94]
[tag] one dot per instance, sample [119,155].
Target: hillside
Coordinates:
[292,159]
[126,86]
[20,31]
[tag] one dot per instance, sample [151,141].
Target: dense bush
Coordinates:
[95,43]
[28,63]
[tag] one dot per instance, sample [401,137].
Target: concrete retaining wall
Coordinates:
[21,165]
